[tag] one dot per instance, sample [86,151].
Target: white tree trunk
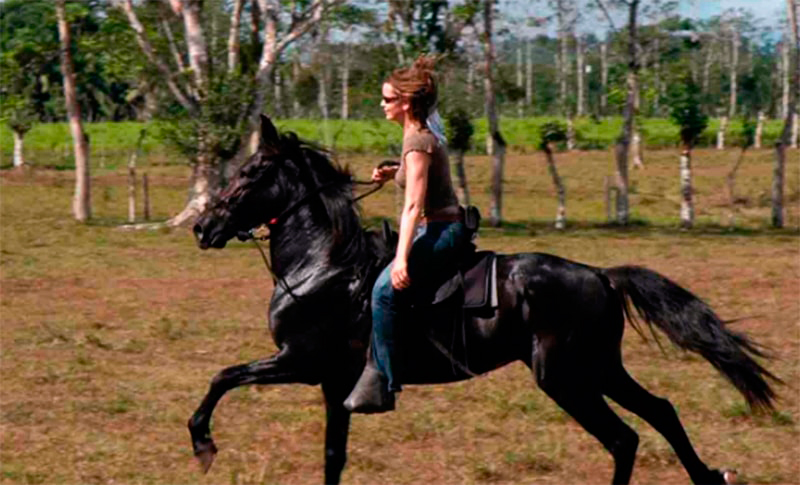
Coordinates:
[19,143]
[529,76]
[687,205]
[495,143]
[733,71]
[779,169]
[604,77]
[346,83]
[785,68]
[519,79]
[570,133]
[233,35]
[795,124]
[563,64]
[709,60]
[623,145]
[636,147]
[196,46]
[81,206]
[580,74]
[657,77]
[723,126]
[277,85]
[759,130]
[470,79]
[295,80]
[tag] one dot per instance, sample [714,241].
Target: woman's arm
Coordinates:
[417,164]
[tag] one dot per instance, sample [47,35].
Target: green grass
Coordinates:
[111,143]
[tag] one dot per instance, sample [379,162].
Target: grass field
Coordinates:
[109,337]
[50,145]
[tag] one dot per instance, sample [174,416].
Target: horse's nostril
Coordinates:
[198,230]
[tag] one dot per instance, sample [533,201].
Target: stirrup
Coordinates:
[371,393]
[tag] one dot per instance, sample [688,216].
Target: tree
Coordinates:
[686,112]
[459,134]
[81,206]
[216,105]
[495,144]
[783,143]
[551,133]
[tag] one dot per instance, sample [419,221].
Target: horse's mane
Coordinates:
[317,168]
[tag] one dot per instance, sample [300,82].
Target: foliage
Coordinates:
[747,135]
[552,132]
[459,129]
[685,110]
[219,122]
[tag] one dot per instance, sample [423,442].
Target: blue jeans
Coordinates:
[433,259]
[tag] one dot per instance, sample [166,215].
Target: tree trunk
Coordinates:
[604,78]
[346,83]
[233,35]
[637,151]
[687,205]
[496,146]
[570,133]
[462,191]
[733,71]
[295,80]
[204,179]
[759,130]
[470,79]
[623,144]
[277,85]
[580,74]
[780,148]
[561,212]
[785,78]
[519,79]
[81,206]
[795,123]
[19,144]
[707,68]
[657,77]
[255,28]
[529,76]
[723,126]
[563,63]
[196,46]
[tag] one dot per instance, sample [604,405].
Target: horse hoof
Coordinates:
[205,454]
[730,477]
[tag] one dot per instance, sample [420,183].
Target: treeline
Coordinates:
[742,66]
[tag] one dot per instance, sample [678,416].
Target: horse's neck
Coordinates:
[299,245]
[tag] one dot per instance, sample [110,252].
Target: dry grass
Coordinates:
[109,339]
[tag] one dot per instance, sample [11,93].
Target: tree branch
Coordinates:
[605,12]
[147,48]
[172,46]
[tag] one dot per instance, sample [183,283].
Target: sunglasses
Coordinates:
[389,100]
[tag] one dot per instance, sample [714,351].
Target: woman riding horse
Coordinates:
[432,234]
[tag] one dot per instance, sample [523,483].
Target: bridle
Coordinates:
[284,215]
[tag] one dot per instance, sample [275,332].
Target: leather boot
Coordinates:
[371,393]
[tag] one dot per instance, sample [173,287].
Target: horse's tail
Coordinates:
[692,325]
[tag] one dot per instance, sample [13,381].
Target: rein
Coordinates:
[245,235]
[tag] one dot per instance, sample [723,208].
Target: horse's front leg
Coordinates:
[282,368]
[337,427]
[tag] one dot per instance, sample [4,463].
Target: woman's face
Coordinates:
[394,106]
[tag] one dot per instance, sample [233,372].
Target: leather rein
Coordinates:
[280,218]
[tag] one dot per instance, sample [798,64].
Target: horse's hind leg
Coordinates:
[279,369]
[660,414]
[578,396]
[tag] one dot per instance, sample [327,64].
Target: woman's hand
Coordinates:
[383,174]
[400,279]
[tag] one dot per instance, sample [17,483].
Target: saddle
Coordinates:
[475,282]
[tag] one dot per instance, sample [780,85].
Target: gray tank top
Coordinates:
[440,192]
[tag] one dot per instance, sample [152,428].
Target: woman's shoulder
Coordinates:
[419,139]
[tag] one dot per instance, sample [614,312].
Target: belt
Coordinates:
[444,217]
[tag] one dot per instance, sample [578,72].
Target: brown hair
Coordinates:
[418,84]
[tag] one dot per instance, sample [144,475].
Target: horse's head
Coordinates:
[253,196]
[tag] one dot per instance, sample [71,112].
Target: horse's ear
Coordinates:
[269,141]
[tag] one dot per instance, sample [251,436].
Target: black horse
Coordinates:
[563,319]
